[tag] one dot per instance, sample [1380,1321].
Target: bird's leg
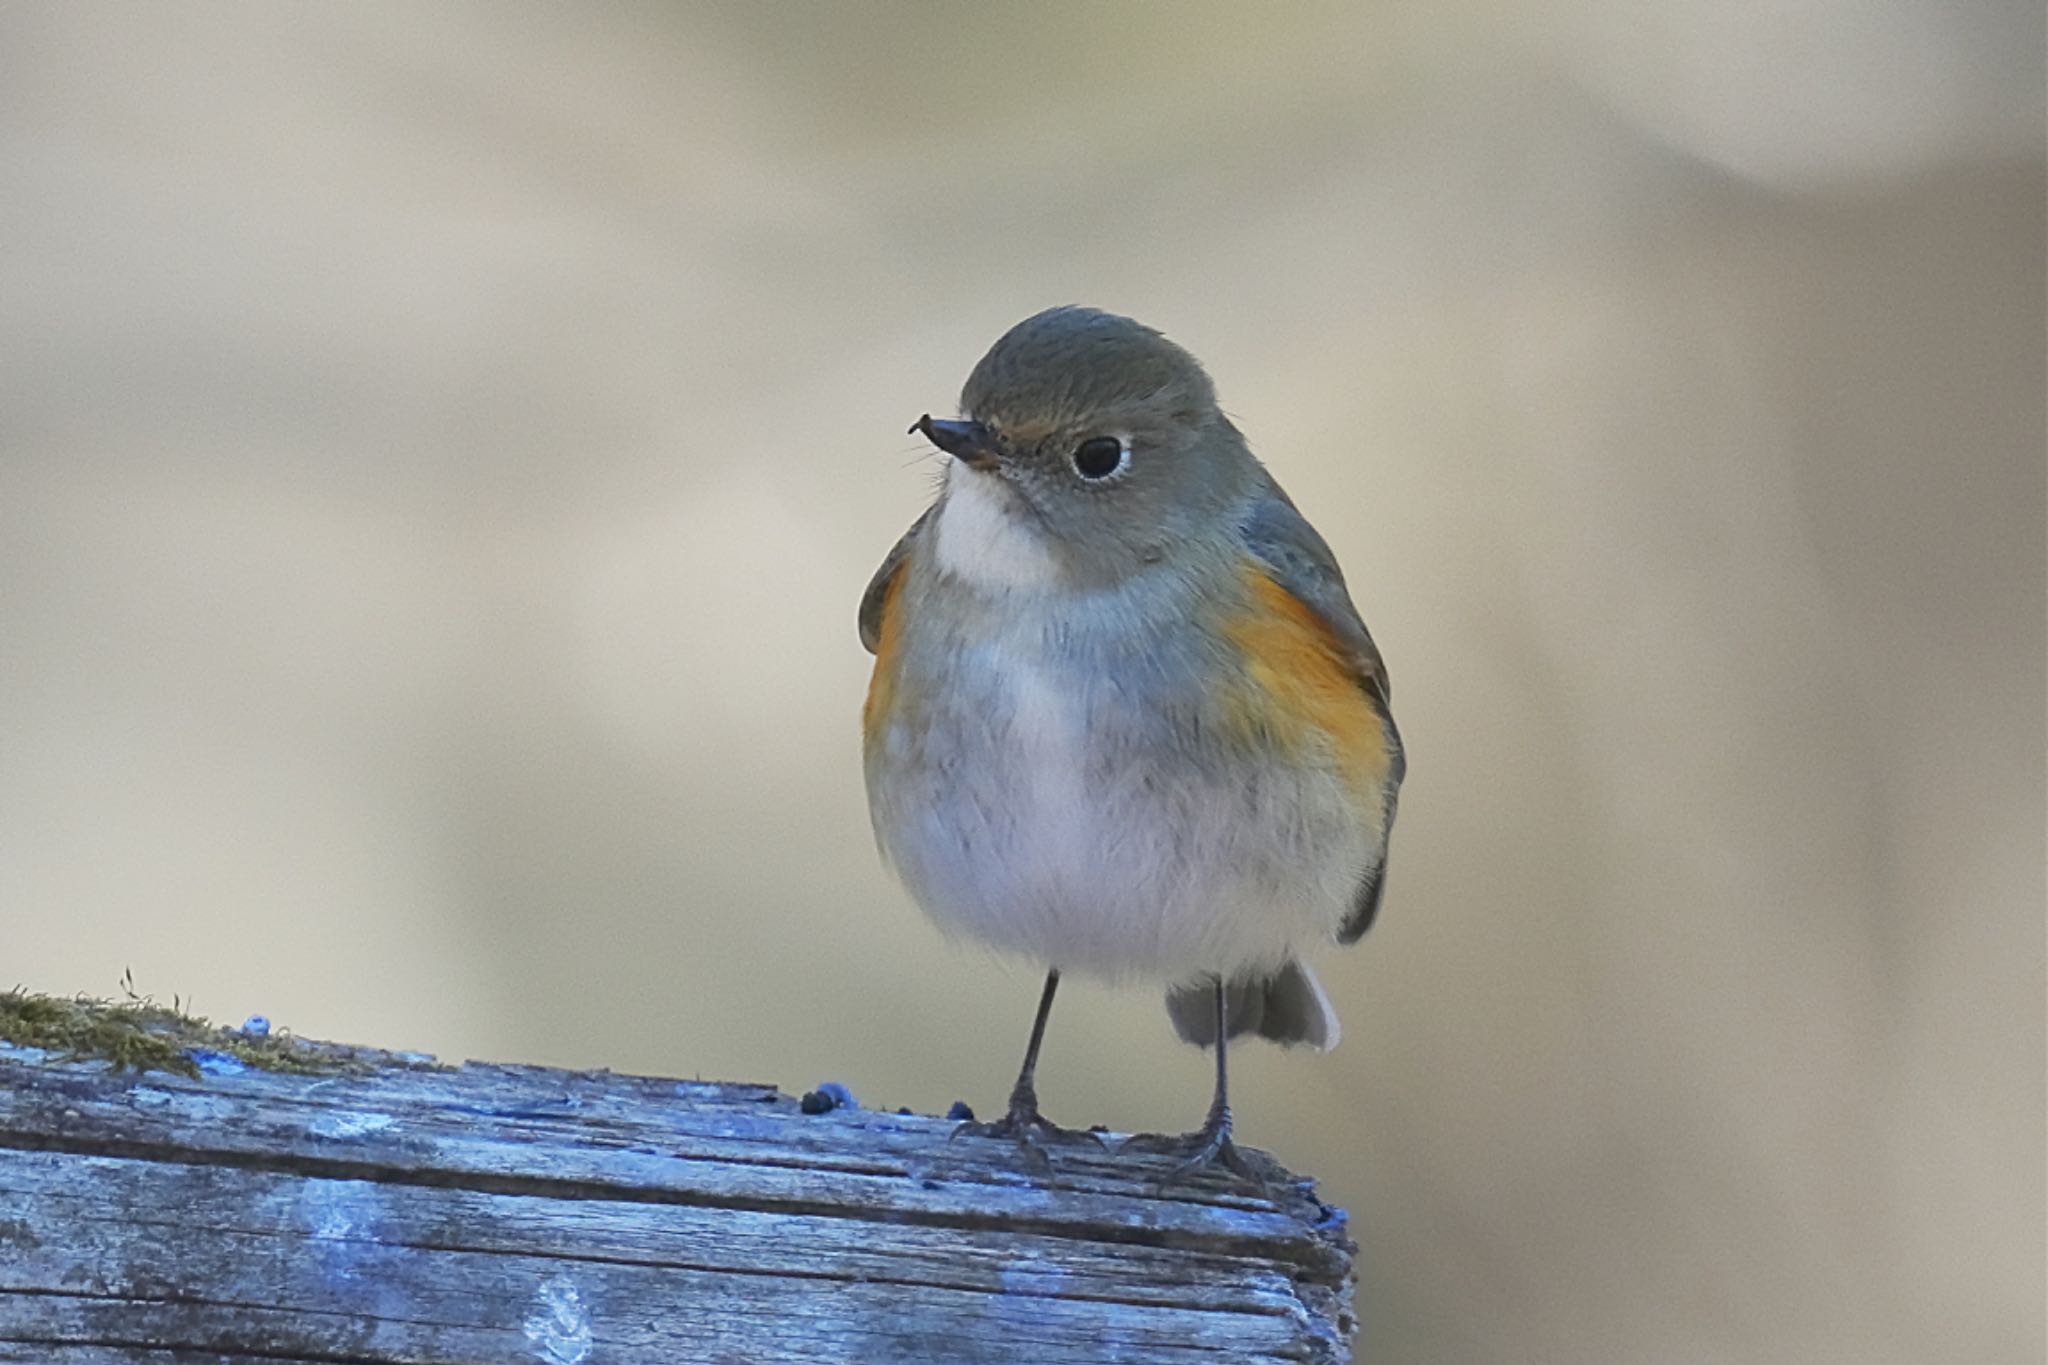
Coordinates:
[1209,1145]
[1022,1121]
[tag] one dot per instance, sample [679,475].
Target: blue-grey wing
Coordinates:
[878,586]
[1300,561]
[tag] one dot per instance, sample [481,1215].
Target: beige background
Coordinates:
[441,449]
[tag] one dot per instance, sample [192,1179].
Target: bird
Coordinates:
[1124,719]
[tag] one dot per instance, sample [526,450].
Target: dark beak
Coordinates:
[971,443]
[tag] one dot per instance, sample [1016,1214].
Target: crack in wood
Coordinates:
[333,1168]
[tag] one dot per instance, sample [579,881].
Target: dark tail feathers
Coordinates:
[1288,1007]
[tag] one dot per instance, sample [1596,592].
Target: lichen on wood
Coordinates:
[138,1034]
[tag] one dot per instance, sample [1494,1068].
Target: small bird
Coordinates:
[1124,719]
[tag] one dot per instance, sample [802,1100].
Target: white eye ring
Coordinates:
[1093,459]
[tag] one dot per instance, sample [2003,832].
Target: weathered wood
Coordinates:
[499,1213]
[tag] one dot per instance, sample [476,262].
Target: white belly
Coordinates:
[1023,818]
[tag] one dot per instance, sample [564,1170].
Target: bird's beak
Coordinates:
[971,443]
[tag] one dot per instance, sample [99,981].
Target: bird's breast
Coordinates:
[1111,785]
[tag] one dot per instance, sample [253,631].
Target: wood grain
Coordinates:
[502,1213]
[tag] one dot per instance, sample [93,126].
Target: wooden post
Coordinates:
[406,1212]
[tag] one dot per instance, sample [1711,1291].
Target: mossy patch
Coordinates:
[138,1034]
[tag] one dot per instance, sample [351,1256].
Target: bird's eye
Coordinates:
[1098,457]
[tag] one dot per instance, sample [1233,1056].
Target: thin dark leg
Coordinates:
[1209,1145]
[1024,1094]
[1219,1106]
[1023,1121]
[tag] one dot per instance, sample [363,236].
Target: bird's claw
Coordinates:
[1029,1129]
[1208,1147]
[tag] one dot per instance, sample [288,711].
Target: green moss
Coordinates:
[138,1034]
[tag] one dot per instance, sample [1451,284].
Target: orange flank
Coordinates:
[882,683]
[1304,689]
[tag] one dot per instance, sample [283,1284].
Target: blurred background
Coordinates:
[441,449]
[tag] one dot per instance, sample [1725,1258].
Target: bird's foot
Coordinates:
[1207,1147]
[1028,1128]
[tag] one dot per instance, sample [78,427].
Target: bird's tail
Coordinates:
[1288,1007]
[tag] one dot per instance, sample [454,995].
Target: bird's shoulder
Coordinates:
[1287,551]
[875,601]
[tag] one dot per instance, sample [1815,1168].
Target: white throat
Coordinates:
[986,540]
